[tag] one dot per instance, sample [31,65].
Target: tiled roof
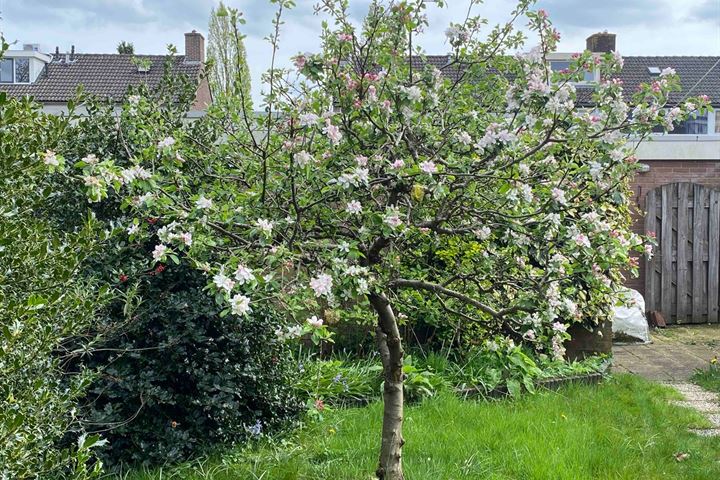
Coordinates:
[104,75]
[698,75]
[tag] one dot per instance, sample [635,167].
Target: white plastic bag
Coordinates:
[630,319]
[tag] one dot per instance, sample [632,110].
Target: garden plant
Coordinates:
[489,186]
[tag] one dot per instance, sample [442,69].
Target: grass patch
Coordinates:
[623,428]
[708,379]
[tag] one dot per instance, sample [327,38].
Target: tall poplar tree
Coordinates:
[229,73]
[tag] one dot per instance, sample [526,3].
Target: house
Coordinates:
[679,181]
[676,194]
[52,79]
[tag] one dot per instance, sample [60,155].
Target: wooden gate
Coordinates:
[681,279]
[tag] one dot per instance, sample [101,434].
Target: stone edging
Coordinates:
[702,401]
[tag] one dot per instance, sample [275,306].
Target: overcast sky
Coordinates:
[643,27]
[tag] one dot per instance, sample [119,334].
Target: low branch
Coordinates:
[439,289]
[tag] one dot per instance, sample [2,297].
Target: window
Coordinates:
[6,70]
[717,120]
[22,70]
[562,65]
[694,125]
[15,70]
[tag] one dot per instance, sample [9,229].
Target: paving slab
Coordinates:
[673,354]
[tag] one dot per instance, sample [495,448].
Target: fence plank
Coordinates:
[682,244]
[698,265]
[666,248]
[713,279]
[651,283]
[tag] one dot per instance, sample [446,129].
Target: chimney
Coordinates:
[194,47]
[601,42]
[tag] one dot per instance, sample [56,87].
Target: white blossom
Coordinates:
[315,321]
[353,207]
[203,203]
[166,142]
[240,305]
[264,225]
[159,251]
[223,282]
[392,218]
[559,196]
[50,158]
[333,133]
[322,285]
[304,158]
[308,119]
[243,274]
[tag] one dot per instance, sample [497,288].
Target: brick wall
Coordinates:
[704,172]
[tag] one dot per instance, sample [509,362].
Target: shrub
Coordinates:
[45,306]
[174,376]
[180,377]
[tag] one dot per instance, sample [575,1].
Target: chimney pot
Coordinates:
[194,47]
[601,42]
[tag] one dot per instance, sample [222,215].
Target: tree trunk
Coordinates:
[391,353]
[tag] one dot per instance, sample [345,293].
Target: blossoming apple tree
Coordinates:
[489,184]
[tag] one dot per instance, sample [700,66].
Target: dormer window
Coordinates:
[564,65]
[15,70]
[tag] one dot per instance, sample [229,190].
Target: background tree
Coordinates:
[126,48]
[480,187]
[229,73]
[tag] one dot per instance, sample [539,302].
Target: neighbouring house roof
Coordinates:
[698,75]
[104,75]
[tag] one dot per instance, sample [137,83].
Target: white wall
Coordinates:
[680,147]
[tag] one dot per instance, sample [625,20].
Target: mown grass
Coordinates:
[622,429]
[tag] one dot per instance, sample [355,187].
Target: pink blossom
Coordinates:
[322,285]
[372,93]
[332,132]
[559,327]
[353,207]
[582,240]
[315,321]
[300,61]
[398,164]
[344,37]
[159,251]
[186,238]
[428,166]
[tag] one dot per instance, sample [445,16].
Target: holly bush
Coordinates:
[45,305]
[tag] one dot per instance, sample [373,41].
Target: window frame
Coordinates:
[13,70]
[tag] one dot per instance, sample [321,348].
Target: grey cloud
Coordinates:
[708,11]
[104,12]
[603,14]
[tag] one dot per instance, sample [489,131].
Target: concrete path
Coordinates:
[674,354]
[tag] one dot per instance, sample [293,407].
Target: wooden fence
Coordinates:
[682,278]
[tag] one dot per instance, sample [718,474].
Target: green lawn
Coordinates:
[622,429]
